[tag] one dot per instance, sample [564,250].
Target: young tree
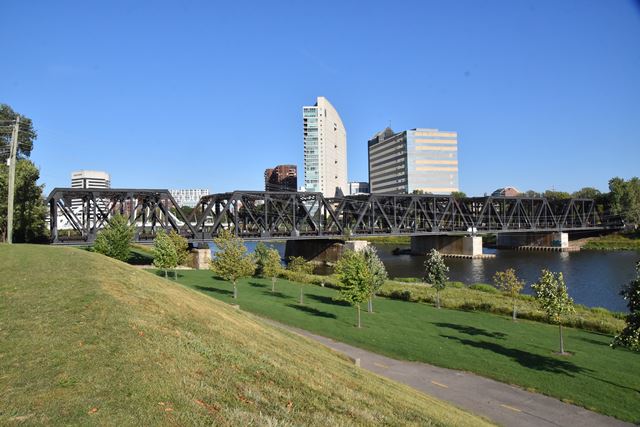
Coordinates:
[355,279]
[260,255]
[113,241]
[435,273]
[553,298]
[272,266]
[378,273]
[231,261]
[165,256]
[507,281]
[630,335]
[299,268]
[181,246]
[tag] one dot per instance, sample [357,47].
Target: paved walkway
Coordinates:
[503,404]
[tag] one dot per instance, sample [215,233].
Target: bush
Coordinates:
[483,287]
[114,240]
[456,285]
[404,295]
[407,279]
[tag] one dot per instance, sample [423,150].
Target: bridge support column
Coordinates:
[468,246]
[319,250]
[543,240]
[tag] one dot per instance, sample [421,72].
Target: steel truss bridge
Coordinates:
[259,215]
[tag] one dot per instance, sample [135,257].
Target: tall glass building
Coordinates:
[417,159]
[325,149]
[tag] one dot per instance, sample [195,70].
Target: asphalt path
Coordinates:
[499,402]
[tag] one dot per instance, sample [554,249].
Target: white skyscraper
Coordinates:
[325,149]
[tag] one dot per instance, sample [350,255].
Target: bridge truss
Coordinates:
[258,215]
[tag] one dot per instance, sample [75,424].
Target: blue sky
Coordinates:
[208,94]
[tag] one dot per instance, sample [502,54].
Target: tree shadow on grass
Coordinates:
[257,285]
[138,258]
[592,341]
[327,300]
[311,310]
[216,290]
[526,359]
[470,330]
[276,294]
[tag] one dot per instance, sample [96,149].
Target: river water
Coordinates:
[594,278]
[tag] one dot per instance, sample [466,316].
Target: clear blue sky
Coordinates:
[208,94]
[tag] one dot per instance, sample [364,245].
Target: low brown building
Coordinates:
[281,178]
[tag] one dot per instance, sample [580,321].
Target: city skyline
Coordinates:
[554,84]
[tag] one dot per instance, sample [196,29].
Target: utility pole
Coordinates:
[12,178]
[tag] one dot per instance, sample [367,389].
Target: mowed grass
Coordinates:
[596,376]
[87,340]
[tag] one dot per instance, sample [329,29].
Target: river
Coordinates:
[594,278]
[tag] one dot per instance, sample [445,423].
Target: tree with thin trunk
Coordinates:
[553,298]
[355,279]
[164,253]
[260,255]
[298,269]
[378,273]
[272,266]
[231,261]
[435,273]
[630,335]
[181,246]
[507,281]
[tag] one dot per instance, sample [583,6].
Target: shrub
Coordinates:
[114,240]
[483,287]
[456,285]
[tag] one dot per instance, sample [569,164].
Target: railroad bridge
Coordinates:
[441,221]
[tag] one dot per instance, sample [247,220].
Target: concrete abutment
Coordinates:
[467,246]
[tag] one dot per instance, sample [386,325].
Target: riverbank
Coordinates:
[614,242]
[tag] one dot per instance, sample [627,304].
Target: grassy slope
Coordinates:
[89,340]
[596,376]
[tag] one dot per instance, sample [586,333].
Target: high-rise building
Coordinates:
[325,149]
[188,196]
[358,188]
[90,179]
[281,178]
[418,159]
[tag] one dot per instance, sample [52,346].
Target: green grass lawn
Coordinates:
[88,340]
[617,241]
[595,376]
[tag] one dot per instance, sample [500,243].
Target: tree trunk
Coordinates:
[235,290]
[358,306]
[561,340]
[514,309]
[370,304]
[437,298]
[301,296]
[165,274]
[273,284]
[175,275]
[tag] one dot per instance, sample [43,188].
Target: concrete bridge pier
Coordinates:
[466,246]
[321,250]
[541,240]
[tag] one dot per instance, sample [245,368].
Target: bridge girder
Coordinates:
[259,215]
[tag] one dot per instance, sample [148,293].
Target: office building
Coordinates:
[189,196]
[90,179]
[325,149]
[281,178]
[419,159]
[358,188]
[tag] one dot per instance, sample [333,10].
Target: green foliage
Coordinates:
[376,268]
[458,194]
[624,198]
[29,207]
[551,293]
[298,269]
[552,296]
[615,242]
[587,193]
[630,335]
[181,246]
[484,287]
[435,272]
[272,266]
[114,240]
[457,285]
[165,256]
[231,262]
[507,281]
[26,136]
[532,194]
[556,195]
[260,256]
[355,277]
